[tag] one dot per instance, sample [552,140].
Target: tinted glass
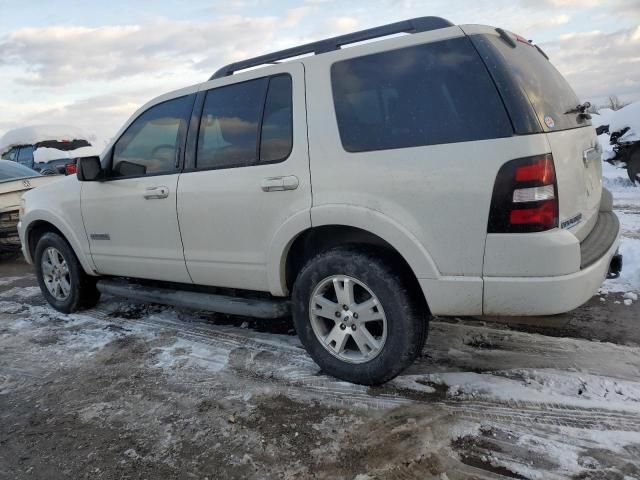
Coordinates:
[228,134]
[10,155]
[11,171]
[547,90]
[25,156]
[423,95]
[150,144]
[276,139]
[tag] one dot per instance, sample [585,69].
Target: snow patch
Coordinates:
[628,116]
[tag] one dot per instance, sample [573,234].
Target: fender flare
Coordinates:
[80,246]
[369,220]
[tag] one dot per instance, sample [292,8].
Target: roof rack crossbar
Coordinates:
[414,25]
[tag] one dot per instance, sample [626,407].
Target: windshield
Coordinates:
[552,98]
[12,171]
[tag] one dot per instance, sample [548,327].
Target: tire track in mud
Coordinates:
[289,366]
[286,365]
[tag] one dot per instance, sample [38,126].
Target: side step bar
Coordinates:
[248,307]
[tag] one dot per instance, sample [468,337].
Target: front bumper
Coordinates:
[9,239]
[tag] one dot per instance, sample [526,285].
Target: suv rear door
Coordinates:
[523,73]
[247,175]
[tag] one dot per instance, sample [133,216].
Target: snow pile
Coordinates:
[42,133]
[628,116]
[45,154]
[607,148]
[603,117]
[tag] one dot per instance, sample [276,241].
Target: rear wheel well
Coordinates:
[320,239]
[35,233]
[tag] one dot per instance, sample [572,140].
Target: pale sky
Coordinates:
[93,63]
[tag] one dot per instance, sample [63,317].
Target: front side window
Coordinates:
[421,95]
[246,123]
[150,145]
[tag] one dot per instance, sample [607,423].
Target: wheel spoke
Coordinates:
[327,308]
[365,341]
[337,339]
[65,286]
[344,291]
[47,268]
[365,311]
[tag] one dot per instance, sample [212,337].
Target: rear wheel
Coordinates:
[633,165]
[357,317]
[62,280]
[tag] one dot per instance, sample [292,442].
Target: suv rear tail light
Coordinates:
[70,169]
[525,196]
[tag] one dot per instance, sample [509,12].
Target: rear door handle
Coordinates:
[154,193]
[279,184]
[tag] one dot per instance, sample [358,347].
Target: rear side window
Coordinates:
[246,123]
[276,140]
[423,95]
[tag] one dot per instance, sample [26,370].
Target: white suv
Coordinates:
[448,171]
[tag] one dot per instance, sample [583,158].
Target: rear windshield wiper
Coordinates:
[581,110]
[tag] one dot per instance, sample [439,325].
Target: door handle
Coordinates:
[279,184]
[154,193]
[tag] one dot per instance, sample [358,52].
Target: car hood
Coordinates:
[9,189]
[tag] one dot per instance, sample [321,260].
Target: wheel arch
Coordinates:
[36,227]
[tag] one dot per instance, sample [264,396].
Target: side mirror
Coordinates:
[89,169]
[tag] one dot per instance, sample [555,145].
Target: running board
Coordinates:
[248,307]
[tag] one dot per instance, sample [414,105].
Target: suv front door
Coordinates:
[130,217]
[247,176]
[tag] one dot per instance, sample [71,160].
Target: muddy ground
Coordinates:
[130,392]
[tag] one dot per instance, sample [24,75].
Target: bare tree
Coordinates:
[614,103]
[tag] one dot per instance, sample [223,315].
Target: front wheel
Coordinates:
[62,280]
[357,317]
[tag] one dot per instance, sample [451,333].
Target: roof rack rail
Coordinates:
[414,25]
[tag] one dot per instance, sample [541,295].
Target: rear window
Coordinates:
[422,95]
[545,88]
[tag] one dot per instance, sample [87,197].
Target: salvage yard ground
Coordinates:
[136,391]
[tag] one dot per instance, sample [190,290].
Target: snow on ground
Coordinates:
[626,201]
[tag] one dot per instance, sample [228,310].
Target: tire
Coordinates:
[633,166]
[399,337]
[47,172]
[80,291]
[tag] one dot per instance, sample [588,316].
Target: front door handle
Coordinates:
[154,193]
[278,184]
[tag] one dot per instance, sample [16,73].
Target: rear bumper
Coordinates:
[549,295]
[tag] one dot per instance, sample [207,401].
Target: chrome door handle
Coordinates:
[153,193]
[279,184]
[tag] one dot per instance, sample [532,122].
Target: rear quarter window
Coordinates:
[428,94]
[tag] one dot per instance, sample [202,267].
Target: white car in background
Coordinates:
[48,149]
[15,180]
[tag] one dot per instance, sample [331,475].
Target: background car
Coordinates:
[15,179]
[48,149]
